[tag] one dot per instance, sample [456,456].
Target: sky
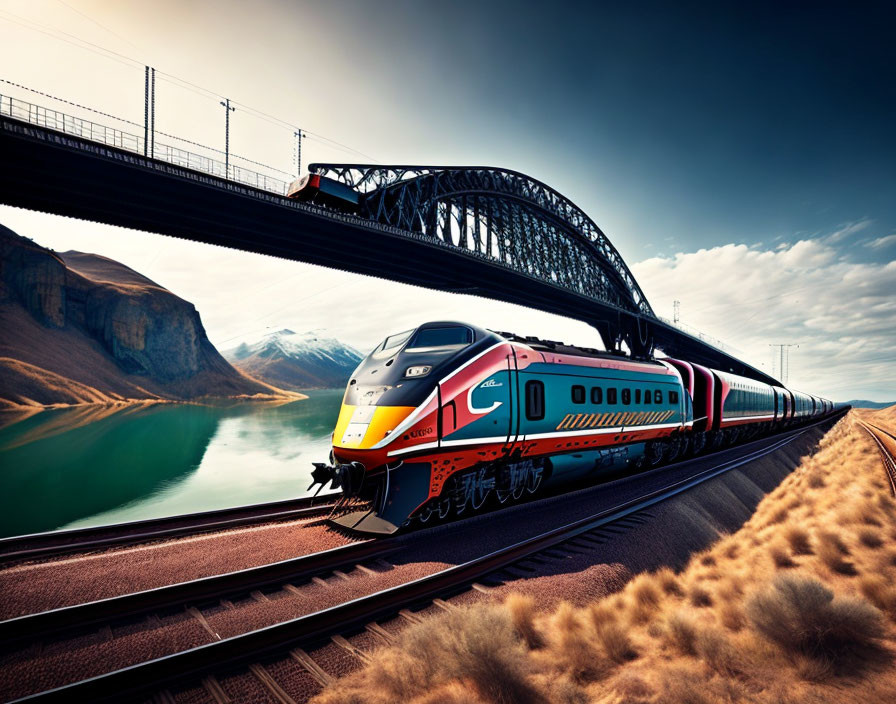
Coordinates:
[741,156]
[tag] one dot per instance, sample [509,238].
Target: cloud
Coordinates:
[848,229]
[881,242]
[841,313]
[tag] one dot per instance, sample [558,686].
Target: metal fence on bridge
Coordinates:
[80,127]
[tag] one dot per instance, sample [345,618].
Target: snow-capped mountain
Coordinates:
[309,360]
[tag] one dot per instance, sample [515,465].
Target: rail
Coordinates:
[886,445]
[63,542]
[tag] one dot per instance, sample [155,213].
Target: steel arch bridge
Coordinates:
[502,215]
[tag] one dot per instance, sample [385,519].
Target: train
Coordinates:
[438,420]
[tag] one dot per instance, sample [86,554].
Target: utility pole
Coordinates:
[227,111]
[298,155]
[149,112]
[783,359]
[676,310]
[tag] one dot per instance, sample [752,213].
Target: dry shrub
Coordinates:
[451,693]
[699,596]
[815,481]
[798,539]
[832,552]
[732,616]
[681,632]
[714,647]
[708,560]
[880,592]
[632,689]
[870,538]
[802,617]
[476,645]
[572,648]
[646,597]
[522,613]
[778,517]
[781,557]
[682,685]
[615,641]
[668,582]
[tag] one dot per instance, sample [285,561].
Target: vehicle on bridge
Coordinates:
[320,190]
[438,420]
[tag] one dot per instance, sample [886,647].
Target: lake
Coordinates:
[89,466]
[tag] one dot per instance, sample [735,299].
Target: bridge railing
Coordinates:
[86,129]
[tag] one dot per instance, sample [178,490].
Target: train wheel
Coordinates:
[511,482]
[425,513]
[481,488]
[673,450]
[654,453]
[534,476]
[686,447]
[698,443]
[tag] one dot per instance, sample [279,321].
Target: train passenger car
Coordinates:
[743,401]
[320,190]
[437,419]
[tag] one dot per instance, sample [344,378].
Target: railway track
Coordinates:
[886,445]
[64,542]
[286,639]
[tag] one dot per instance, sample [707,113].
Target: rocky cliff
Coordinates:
[81,328]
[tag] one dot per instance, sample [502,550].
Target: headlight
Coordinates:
[417,371]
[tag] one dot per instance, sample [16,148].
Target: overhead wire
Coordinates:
[62,35]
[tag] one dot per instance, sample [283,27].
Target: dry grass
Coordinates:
[798,539]
[832,551]
[796,607]
[801,616]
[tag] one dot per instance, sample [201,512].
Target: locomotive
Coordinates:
[437,420]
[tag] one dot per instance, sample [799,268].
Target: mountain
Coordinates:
[80,328]
[868,404]
[290,360]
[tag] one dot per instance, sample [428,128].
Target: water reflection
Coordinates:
[71,468]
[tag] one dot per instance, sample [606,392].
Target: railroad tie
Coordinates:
[444,605]
[270,684]
[346,645]
[410,616]
[197,614]
[342,575]
[215,690]
[366,570]
[380,632]
[481,587]
[259,597]
[313,669]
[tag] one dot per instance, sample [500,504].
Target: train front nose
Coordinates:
[361,428]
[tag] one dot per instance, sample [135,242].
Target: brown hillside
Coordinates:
[81,328]
[798,605]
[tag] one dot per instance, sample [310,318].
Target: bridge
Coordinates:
[483,231]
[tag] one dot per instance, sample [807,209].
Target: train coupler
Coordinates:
[348,477]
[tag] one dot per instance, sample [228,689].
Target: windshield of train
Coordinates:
[429,338]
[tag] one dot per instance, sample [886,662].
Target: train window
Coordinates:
[611,396]
[648,397]
[534,400]
[673,397]
[393,341]
[578,394]
[626,396]
[597,394]
[657,396]
[637,395]
[454,336]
